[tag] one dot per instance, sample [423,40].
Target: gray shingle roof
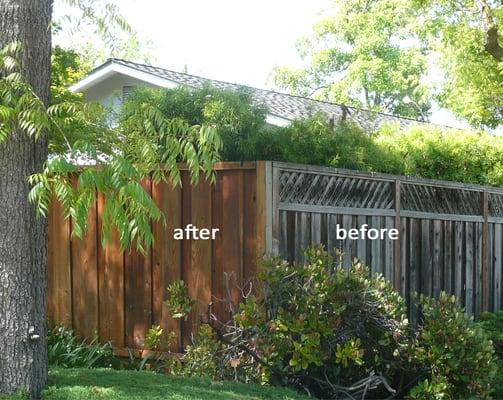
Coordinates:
[281,105]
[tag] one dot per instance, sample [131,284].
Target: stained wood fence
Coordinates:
[120,295]
[450,239]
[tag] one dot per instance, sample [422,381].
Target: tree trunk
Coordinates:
[23,244]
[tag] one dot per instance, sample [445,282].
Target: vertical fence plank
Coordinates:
[404,267]
[448,252]
[111,288]
[361,245]
[59,277]
[389,250]
[315,228]
[347,243]
[458,260]
[437,257]
[85,279]
[199,275]
[138,288]
[498,267]
[426,258]
[166,259]
[469,281]
[249,226]
[479,267]
[376,263]
[397,243]
[414,263]
[230,270]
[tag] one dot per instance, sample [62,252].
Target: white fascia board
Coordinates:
[112,69]
[277,121]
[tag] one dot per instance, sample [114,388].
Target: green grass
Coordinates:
[88,384]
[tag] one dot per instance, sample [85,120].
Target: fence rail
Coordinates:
[450,239]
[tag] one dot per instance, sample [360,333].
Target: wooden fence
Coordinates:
[120,295]
[450,239]
[450,233]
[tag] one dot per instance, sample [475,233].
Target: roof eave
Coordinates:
[112,68]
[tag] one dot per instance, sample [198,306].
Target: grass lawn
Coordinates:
[87,384]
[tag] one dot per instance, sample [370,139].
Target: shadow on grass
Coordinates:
[76,384]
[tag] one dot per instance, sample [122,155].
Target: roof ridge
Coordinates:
[358,109]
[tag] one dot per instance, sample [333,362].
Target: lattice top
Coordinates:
[433,199]
[324,188]
[334,191]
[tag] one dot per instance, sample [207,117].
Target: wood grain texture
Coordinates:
[59,302]
[85,278]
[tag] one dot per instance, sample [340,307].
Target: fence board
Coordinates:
[85,279]
[498,265]
[166,259]
[59,279]
[111,288]
[138,288]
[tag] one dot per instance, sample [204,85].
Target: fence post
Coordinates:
[484,202]
[397,248]
[264,208]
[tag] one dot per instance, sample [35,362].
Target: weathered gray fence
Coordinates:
[450,233]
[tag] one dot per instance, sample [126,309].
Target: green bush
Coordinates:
[66,350]
[448,154]
[492,324]
[455,353]
[320,328]
[423,151]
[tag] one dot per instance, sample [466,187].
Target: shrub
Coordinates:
[456,354]
[66,350]
[449,154]
[423,151]
[492,324]
[320,328]
[200,359]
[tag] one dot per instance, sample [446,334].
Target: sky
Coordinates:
[231,40]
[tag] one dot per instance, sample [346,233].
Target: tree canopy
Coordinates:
[399,56]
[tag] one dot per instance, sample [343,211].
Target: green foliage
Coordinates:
[323,328]
[454,155]
[66,350]
[363,54]
[179,303]
[200,359]
[146,145]
[456,32]
[153,337]
[233,114]
[492,324]
[457,354]
[20,108]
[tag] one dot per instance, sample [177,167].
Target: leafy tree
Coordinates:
[464,36]
[26,121]
[363,54]
[374,54]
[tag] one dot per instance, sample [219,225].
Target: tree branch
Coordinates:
[492,45]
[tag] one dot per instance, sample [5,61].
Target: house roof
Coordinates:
[283,107]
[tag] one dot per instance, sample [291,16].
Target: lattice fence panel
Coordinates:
[442,200]
[334,191]
[495,204]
